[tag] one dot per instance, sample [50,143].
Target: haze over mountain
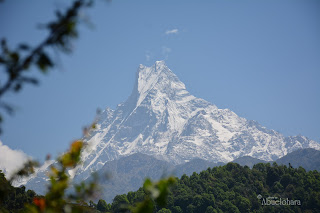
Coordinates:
[161,118]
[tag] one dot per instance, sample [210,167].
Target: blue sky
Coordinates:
[261,59]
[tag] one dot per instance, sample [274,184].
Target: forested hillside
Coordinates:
[229,188]
[233,188]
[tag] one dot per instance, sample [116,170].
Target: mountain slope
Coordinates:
[128,174]
[309,159]
[248,161]
[195,165]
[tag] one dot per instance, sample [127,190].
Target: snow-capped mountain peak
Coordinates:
[161,118]
[155,78]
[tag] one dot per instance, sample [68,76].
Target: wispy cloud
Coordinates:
[165,52]
[173,31]
[11,160]
[148,55]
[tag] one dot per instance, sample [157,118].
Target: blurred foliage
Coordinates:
[56,199]
[16,199]
[26,170]
[156,194]
[15,64]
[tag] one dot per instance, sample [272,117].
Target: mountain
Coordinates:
[162,119]
[196,165]
[309,159]
[248,161]
[128,174]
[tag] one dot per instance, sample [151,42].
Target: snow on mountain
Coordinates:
[161,118]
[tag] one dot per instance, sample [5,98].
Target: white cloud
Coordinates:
[173,31]
[11,160]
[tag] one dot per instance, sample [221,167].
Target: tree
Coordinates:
[286,180]
[156,193]
[243,204]
[120,202]
[103,206]
[228,207]
[177,209]
[13,198]
[191,208]
[92,204]
[210,209]
[164,210]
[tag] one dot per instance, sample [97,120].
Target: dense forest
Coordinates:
[228,188]
[234,188]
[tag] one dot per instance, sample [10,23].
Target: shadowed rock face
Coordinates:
[162,119]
